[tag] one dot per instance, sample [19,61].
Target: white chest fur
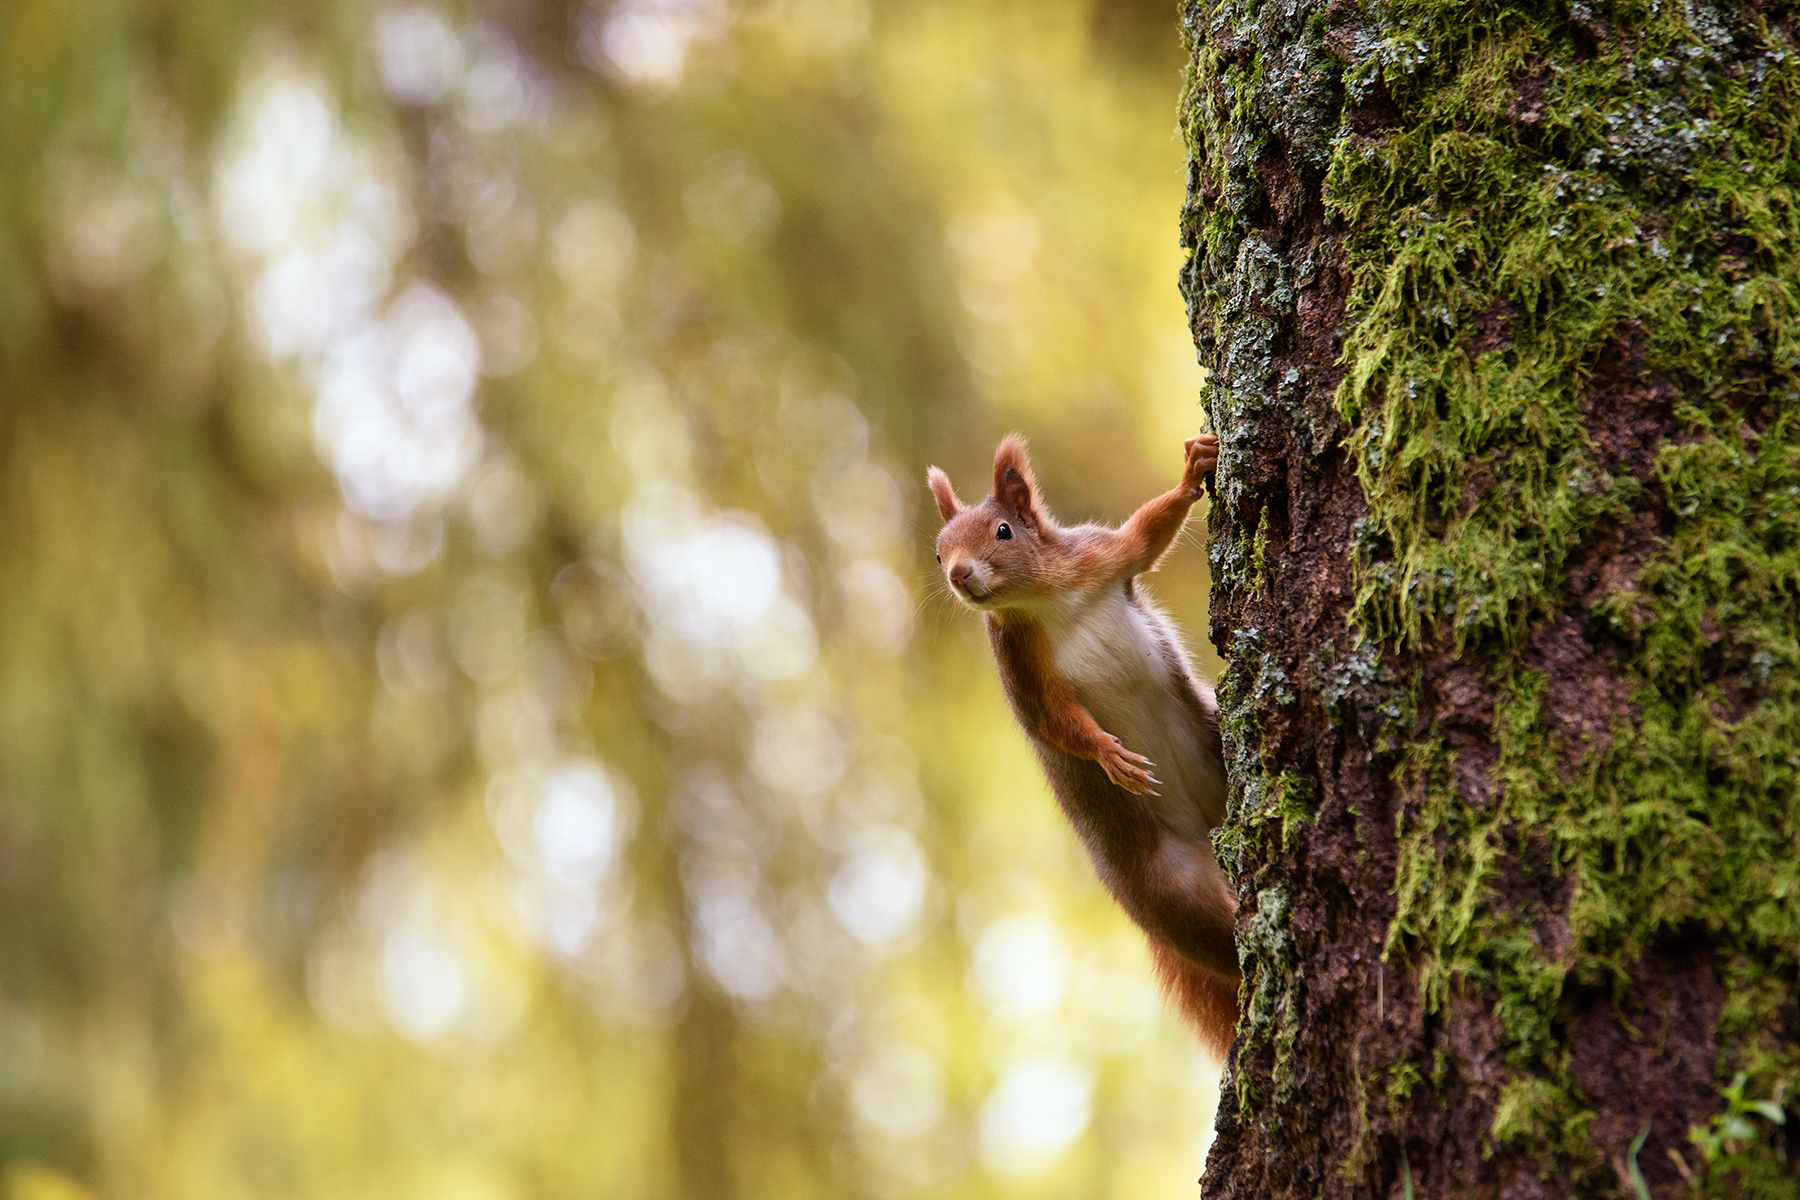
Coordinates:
[1110,649]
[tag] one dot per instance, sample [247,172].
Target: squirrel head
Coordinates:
[997,554]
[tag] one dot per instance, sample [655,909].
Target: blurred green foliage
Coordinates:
[476,717]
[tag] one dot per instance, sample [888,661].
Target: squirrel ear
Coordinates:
[948,504]
[1014,486]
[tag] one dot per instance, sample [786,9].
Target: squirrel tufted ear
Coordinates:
[948,504]
[1014,486]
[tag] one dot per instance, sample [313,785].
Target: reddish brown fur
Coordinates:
[1207,999]
[1009,557]
[1045,702]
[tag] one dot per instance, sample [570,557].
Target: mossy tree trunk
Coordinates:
[1501,306]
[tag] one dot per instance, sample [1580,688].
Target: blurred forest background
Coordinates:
[477,717]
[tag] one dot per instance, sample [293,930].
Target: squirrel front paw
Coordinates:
[1127,770]
[1202,458]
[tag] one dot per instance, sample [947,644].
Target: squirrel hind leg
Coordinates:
[1207,999]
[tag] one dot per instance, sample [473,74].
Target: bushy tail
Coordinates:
[1207,999]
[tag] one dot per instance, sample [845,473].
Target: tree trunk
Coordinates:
[1499,307]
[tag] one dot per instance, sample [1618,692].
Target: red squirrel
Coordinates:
[1126,731]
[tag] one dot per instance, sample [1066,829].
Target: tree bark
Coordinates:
[1499,308]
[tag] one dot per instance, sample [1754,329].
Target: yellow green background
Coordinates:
[478,718]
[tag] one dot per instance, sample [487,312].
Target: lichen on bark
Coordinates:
[1501,310]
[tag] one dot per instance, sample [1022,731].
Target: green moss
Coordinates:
[1402,1079]
[1272,1006]
[1290,806]
[1259,549]
[1534,1114]
[1653,190]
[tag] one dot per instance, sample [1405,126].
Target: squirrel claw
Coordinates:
[1202,459]
[1127,770]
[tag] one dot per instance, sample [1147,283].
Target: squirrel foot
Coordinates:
[1127,770]
[1202,459]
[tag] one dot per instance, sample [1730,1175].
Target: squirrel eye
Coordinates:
[1004,532]
[940,558]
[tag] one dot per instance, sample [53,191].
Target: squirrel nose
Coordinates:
[961,571]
